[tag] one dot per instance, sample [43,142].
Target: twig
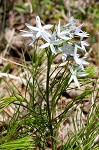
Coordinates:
[12,62]
[13,77]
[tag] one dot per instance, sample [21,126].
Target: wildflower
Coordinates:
[82,34]
[29,34]
[83,44]
[67,49]
[51,41]
[38,31]
[77,29]
[79,61]
[73,77]
[42,29]
[76,74]
[65,35]
[71,22]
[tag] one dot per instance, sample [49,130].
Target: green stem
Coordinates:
[33,77]
[47,101]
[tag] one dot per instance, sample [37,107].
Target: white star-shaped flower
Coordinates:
[51,41]
[83,44]
[67,49]
[71,22]
[75,74]
[79,61]
[82,34]
[64,34]
[38,31]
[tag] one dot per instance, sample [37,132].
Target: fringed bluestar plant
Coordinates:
[62,40]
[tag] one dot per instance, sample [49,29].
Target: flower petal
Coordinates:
[76,81]
[44,45]
[58,28]
[57,42]
[64,37]
[72,71]
[82,35]
[46,33]
[31,27]
[52,49]
[45,37]
[38,22]
[38,34]
[70,80]
[47,27]
[71,22]
[64,57]
[25,31]
[30,43]
[27,35]
[82,74]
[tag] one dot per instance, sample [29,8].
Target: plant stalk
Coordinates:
[47,101]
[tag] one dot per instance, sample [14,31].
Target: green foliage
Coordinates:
[20,144]
[91,71]
[4,102]
[84,94]
[5,69]
[84,138]
[36,125]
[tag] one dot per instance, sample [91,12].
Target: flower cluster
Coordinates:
[68,39]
